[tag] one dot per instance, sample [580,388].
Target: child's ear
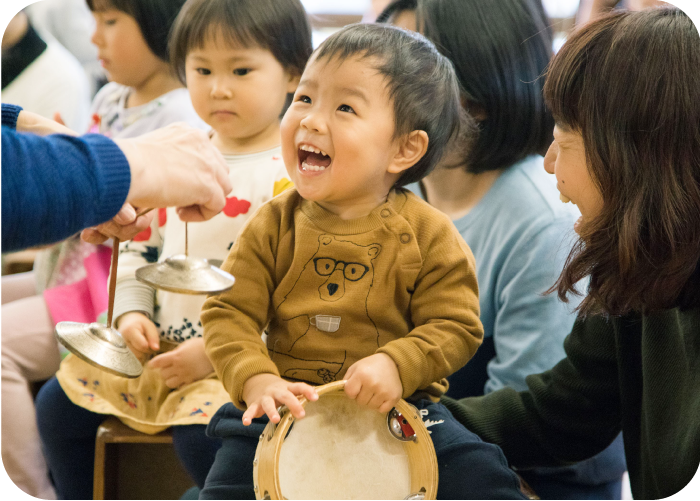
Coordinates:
[411,150]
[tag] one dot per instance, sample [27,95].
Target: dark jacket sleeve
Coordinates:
[54,186]
[568,413]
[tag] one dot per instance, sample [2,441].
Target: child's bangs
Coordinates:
[218,23]
[222,34]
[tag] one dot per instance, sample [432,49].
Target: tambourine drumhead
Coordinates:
[341,450]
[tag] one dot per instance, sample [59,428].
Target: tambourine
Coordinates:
[341,450]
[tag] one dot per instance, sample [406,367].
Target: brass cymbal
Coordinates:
[100,346]
[185,275]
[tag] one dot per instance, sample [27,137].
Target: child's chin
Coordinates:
[307,194]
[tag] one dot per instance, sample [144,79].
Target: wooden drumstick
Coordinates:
[113,271]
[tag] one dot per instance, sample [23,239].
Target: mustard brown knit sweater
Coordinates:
[329,292]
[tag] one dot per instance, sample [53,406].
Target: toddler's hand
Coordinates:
[141,335]
[184,364]
[263,393]
[374,381]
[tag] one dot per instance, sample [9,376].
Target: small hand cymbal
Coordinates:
[185,275]
[99,346]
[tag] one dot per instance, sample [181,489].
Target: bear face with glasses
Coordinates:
[340,273]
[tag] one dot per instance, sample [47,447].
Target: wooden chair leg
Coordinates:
[133,465]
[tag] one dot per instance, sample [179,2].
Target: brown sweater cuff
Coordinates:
[411,363]
[240,369]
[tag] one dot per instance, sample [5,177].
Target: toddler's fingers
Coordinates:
[386,406]
[251,413]
[137,341]
[152,335]
[161,361]
[376,401]
[353,387]
[292,402]
[364,397]
[304,389]
[174,382]
[268,405]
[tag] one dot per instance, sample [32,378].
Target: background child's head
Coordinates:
[381,103]
[132,36]
[241,61]
[500,50]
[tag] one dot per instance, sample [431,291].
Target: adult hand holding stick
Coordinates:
[175,165]
[189,173]
[56,185]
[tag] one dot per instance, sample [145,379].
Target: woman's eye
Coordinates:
[345,108]
[241,71]
[110,22]
[203,71]
[304,99]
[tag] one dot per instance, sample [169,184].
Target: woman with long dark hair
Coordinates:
[623,91]
[507,207]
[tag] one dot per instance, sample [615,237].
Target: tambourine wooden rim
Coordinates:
[419,449]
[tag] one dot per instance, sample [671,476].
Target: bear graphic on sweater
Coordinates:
[340,274]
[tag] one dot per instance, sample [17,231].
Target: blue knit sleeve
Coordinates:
[10,112]
[54,186]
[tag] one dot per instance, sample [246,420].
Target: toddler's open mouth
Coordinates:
[313,159]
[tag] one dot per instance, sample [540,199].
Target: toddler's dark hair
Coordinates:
[154,17]
[280,26]
[421,83]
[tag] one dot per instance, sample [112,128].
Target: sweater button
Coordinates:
[385,213]
[405,238]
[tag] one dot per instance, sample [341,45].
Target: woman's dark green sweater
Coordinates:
[638,374]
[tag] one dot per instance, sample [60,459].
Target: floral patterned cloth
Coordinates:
[145,403]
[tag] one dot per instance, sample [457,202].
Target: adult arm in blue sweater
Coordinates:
[54,186]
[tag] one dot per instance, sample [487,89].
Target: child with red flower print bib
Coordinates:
[239,75]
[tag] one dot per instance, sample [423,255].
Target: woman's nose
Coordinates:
[551,157]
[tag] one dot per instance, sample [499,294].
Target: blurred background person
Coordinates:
[41,76]
[70,23]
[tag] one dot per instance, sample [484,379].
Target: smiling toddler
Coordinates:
[353,277]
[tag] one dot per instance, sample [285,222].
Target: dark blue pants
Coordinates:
[468,468]
[599,477]
[67,433]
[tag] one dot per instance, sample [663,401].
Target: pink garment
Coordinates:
[84,300]
[29,354]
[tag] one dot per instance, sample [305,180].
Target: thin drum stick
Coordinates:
[113,271]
